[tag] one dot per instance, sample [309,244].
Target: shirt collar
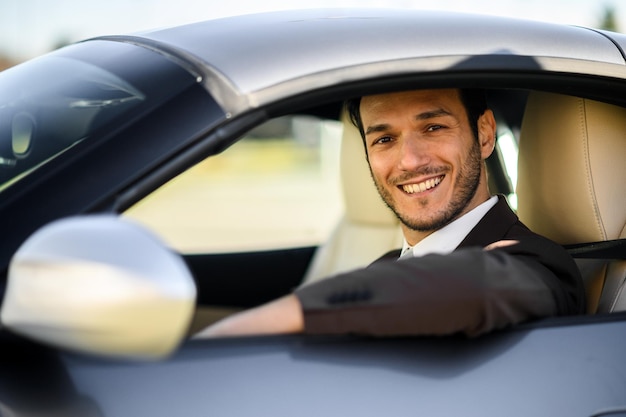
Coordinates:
[446,239]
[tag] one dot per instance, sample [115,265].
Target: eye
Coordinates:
[382,139]
[433,128]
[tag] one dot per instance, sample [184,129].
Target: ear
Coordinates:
[486,133]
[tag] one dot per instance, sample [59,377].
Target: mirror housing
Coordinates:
[100,285]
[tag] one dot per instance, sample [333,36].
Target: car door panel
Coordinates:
[514,373]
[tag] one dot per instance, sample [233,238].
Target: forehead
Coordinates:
[379,104]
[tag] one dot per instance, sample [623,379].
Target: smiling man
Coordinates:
[468,265]
[425,158]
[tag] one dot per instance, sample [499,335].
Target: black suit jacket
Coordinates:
[471,290]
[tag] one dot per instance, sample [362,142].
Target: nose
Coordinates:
[413,153]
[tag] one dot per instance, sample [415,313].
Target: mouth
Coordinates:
[420,187]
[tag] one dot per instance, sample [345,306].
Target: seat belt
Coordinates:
[605,249]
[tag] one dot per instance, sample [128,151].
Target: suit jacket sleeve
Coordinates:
[471,290]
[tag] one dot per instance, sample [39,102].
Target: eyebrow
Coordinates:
[382,127]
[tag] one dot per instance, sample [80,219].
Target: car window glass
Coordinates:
[277,187]
[49,105]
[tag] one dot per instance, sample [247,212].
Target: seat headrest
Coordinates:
[362,201]
[571,168]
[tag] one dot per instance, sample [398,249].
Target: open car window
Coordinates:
[277,187]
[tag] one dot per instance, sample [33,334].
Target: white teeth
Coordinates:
[422,186]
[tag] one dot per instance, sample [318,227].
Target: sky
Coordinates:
[29,28]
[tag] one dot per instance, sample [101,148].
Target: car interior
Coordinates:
[568,187]
[567,190]
[578,196]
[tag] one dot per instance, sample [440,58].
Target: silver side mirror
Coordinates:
[100,285]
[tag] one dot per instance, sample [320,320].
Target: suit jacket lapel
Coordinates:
[493,226]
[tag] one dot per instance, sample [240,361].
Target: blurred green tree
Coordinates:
[609,20]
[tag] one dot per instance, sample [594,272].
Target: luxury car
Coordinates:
[152,183]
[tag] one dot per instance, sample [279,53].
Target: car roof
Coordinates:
[249,60]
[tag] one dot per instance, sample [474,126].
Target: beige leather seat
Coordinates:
[572,183]
[368,229]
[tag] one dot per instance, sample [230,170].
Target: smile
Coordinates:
[422,186]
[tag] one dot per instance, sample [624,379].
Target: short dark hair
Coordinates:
[473,99]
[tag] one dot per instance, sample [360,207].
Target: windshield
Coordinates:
[50,104]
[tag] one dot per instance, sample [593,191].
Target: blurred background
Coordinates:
[29,28]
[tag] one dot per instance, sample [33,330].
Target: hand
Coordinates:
[281,316]
[500,244]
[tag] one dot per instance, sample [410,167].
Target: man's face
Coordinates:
[424,158]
